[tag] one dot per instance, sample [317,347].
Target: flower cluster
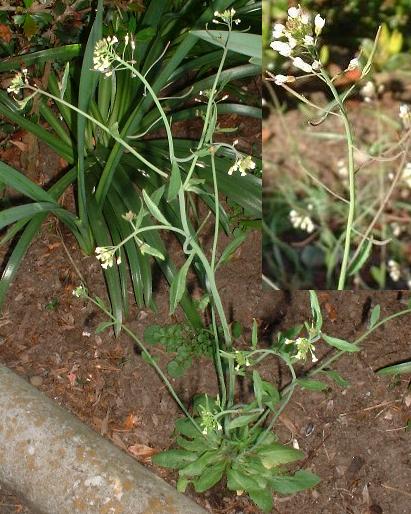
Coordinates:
[301,36]
[226,17]
[129,216]
[18,82]
[405,115]
[242,360]
[406,174]
[105,55]
[394,270]
[106,254]
[209,422]
[301,222]
[304,347]
[80,292]
[242,164]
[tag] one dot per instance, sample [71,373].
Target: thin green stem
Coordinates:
[103,127]
[351,179]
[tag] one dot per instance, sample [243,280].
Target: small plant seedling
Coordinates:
[182,340]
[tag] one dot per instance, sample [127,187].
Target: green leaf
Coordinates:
[175,459]
[197,467]
[277,454]
[103,326]
[154,210]
[375,316]
[293,484]
[396,369]
[361,258]
[30,27]
[176,368]
[178,285]
[182,484]
[63,84]
[271,395]
[312,385]
[174,184]
[316,310]
[254,335]
[241,42]
[340,344]
[258,388]
[88,83]
[185,427]
[239,481]
[242,421]
[231,248]
[262,498]
[63,53]
[210,476]
[338,379]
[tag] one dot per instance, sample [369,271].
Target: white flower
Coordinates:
[294,12]
[17,83]
[405,115]
[105,254]
[368,91]
[305,18]
[308,40]
[304,347]
[394,270]
[406,174]
[242,165]
[283,79]
[292,41]
[80,292]
[318,24]
[354,63]
[278,30]
[105,55]
[301,222]
[316,65]
[282,48]
[302,65]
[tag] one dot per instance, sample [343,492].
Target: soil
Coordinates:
[290,135]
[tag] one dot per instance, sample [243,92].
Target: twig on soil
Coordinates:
[390,488]
[80,276]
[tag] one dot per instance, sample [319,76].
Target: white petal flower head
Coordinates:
[354,64]
[305,18]
[282,48]
[294,12]
[316,65]
[404,111]
[292,42]
[278,30]
[318,24]
[302,65]
[308,40]
[279,80]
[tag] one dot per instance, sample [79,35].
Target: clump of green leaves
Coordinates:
[204,457]
[182,340]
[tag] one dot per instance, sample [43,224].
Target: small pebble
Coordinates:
[36,381]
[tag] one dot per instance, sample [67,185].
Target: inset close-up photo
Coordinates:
[336,145]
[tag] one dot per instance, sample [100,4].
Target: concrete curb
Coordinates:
[60,466]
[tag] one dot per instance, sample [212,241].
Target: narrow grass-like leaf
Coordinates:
[340,344]
[395,369]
